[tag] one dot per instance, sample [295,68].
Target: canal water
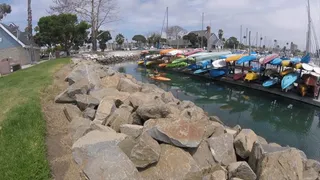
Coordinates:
[277,119]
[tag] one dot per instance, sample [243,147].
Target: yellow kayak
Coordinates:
[251,76]
[285,72]
[234,58]
[140,62]
[298,66]
[286,63]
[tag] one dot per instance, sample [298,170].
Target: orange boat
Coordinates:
[234,58]
[163,65]
[165,51]
[160,78]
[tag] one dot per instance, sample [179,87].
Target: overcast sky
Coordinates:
[284,20]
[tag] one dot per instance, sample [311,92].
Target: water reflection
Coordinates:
[278,120]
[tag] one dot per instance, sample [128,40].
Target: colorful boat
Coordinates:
[306,58]
[141,62]
[213,56]
[174,52]
[270,82]
[179,60]
[245,59]
[165,51]
[193,52]
[251,76]
[219,63]
[201,71]
[261,60]
[160,78]
[148,63]
[194,67]
[163,65]
[176,65]
[298,66]
[295,60]
[234,58]
[276,61]
[303,89]
[307,67]
[198,54]
[285,72]
[288,80]
[239,76]
[217,72]
[269,58]
[286,63]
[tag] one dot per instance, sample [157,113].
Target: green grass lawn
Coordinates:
[22,125]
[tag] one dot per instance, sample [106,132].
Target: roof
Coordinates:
[16,34]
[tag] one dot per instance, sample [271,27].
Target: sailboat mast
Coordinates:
[308,45]
[202,30]
[167,18]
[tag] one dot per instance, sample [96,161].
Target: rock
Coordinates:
[280,165]
[139,98]
[237,128]
[142,152]
[219,175]
[216,119]
[275,145]
[117,118]
[241,170]
[151,88]
[153,110]
[99,127]
[100,157]
[185,105]
[79,127]
[126,107]
[203,156]
[89,113]
[135,119]
[236,179]
[64,98]
[261,140]
[213,129]
[168,97]
[231,131]
[84,71]
[104,110]
[180,133]
[85,101]
[311,170]
[222,149]
[79,87]
[174,163]
[126,85]
[244,141]
[71,112]
[110,81]
[194,114]
[101,93]
[131,130]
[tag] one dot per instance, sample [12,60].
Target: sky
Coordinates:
[284,20]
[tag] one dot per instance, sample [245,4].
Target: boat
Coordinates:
[234,58]
[310,79]
[219,63]
[245,59]
[303,89]
[141,62]
[269,58]
[163,65]
[288,80]
[270,82]
[285,72]
[298,66]
[286,63]
[176,65]
[160,78]
[165,51]
[179,60]
[276,61]
[198,54]
[239,76]
[201,71]
[213,55]
[148,63]
[317,70]
[194,67]
[315,74]
[261,60]
[306,59]
[217,72]
[174,52]
[251,76]
[295,60]
[193,52]
[307,67]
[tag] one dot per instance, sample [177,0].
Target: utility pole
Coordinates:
[202,31]
[30,36]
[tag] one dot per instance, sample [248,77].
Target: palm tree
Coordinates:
[30,37]
[275,43]
[260,41]
[220,33]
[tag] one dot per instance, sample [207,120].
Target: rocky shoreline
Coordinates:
[125,129]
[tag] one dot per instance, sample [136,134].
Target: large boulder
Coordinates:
[101,93]
[84,71]
[131,130]
[110,81]
[79,127]
[194,114]
[222,149]
[64,98]
[180,133]
[142,151]
[243,142]
[311,170]
[261,140]
[151,88]
[84,101]
[241,170]
[136,119]
[71,112]
[174,163]
[104,110]
[139,98]
[185,105]
[117,118]
[99,157]
[153,110]
[89,113]
[126,85]
[168,97]
[79,87]
[213,129]
[218,175]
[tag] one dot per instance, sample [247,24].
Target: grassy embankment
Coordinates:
[22,124]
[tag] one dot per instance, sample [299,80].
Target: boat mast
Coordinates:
[249,43]
[240,34]
[308,44]
[202,31]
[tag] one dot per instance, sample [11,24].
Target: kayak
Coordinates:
[194,67]
[286,63]
[288,80]
[269,58]
[317,70]
[217,72]
[198,54]
[174,52]
[298,66]
[193,52]
[238,76]
[201,71]
[205,63]
[219,63]
[163,65]
[306,58]
[245,59]
[175,65]
[276,61]
[165,51]
[213,55]
[140,62]
[179,60]
[270,82]
[303,89]
[285,72]
[153,62]
[295,60]
[160,78]
[234,58]
[307,67]
[251,76]
[261,60]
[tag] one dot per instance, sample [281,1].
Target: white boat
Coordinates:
[174,52]
[212,55]
[198,54]
[219,63]
[307,67]
[317,70]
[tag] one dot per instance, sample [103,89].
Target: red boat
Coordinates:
[238,76]
[269,58]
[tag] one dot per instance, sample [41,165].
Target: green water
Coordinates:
[279,120]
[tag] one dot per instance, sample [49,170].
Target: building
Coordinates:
[15,45]
[293,47]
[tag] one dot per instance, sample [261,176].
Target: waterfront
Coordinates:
[277,119]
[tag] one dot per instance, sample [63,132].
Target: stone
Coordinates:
[153,110]
[79,87]
[99,127]
[216,119]
[89,113]
[99,157]
[213,129]
[180,133]
[104,110]
[274,144]
[110,81]
[64,98]
[143,151]
[117,118]
[222,149]
[135,119]
[280,165]
[237,128]
[126,85]
[230,131]
[194,114]
[71,112]
[243,142]
[131,130]
[139,98]
[79,127]
[219,175]
[84,71]
[174,163]
[311,170]
[101,93]
[185,105]
[203,156]
[236,179]
[168,97]
[241,170]
[85,101]
[151,88]
[261,140]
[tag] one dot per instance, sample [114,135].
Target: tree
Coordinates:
[174,31]
[232,42]
[4,10]
[192,37]
[63,29]
[120,39]
[139,38]
[103,37]
[154,38]
[95,12]
[220,33]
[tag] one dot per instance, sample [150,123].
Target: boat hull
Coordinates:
[270,82]
[217,72]
[245,59]
[251,76]
[288,80]
[269,58]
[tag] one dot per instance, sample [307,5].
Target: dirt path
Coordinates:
[58,140]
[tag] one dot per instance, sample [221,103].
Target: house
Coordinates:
[15,45]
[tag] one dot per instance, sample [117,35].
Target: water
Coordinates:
[277,119]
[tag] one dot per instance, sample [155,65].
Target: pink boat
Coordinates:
[269,58]
[193,52]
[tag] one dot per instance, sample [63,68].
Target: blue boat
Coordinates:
[295,60]
[201,71]
[246,59]
[205,63]
[217,72]
[288,80]
[270,82]
[194,67]
[306,59]
[276,61]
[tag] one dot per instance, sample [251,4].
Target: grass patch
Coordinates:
[23,127]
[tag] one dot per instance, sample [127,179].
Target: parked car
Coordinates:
[134,48]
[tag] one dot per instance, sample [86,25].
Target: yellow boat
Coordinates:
[286,63]
[165,51]
[303,89]
[234,58]
[251,76]
[298,66]
[285,72]
[140,62]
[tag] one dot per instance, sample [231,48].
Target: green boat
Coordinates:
[175,65]
[182,60]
